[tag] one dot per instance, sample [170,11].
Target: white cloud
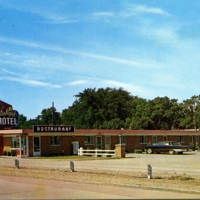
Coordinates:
[126,62]
[52,14]
[131,87]
[78,82]
[167,80]
[30,82]
[137,9]
[103,14]
[56,18]
[9,72]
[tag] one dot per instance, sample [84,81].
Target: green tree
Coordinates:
[22,122]
[190,118]
[140,114]
[99,109]
[164,113]
[49,116]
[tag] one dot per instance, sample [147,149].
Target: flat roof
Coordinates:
[100,132]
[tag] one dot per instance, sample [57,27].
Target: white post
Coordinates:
[95,152]
[81,151]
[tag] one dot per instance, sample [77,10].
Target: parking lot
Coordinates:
[187,163]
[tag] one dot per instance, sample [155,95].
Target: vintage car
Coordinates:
[167,146]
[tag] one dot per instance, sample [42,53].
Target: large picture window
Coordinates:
[55,140]
[154,139]
[165,138]
[191,139]
[89,139]
[180,138]
[122,139]
[143,139]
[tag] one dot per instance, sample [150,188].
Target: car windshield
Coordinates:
[161,143]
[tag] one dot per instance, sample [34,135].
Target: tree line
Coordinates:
[112,108]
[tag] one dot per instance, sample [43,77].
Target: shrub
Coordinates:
[5,153]
[9,153]
[138,151]
[13,153]
[158,177]
[187,178]
[197,148]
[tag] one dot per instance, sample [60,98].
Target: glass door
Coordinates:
[36,146]
[24,146]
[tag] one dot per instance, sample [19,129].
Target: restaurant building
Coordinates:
[27,143]
[66,140]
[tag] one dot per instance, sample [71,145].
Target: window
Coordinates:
[15,142]
[165,138]
[180,138]
[122,139]
[89,139]
[154,139]
[55,140]
[143,139]
[191,139]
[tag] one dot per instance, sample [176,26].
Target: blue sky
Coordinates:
[52,50]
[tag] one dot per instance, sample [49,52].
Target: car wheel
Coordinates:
[149,151]
[171,152]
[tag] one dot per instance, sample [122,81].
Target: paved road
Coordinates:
[29,188]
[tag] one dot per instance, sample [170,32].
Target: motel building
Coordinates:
[44,140]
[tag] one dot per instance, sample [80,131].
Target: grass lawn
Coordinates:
[73,157]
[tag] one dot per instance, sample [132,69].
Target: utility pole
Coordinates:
[52,111]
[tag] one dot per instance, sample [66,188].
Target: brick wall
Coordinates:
[65,148]
[30,144]
[7,143]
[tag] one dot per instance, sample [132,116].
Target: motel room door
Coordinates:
[36,146]
[99,142]
[107,142]
[75,145]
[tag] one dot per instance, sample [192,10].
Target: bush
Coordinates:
[138,151]
[5,153]
[13,153]
[9,153]
[197,148]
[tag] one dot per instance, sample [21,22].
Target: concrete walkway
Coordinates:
[29,188]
